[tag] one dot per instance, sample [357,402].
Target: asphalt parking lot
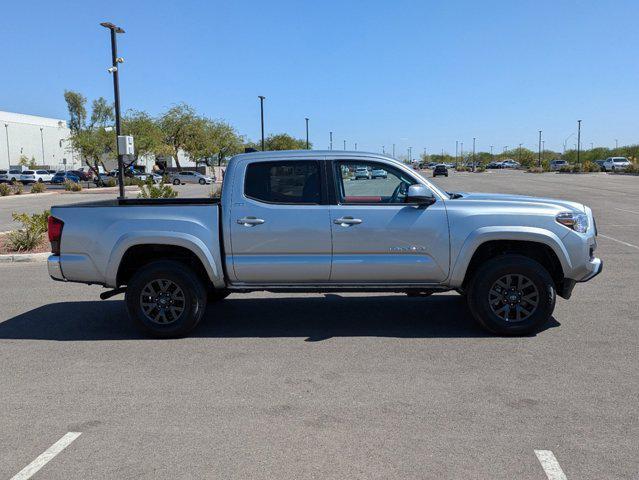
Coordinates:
[339,386]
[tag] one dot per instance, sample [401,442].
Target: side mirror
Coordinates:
[420,194]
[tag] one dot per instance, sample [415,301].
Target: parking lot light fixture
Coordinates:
[539,154]
[307,144]
[330,136]
[114,70]
[262,97]
[578,140]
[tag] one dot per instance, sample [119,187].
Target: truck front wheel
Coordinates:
[166,299]
[511,295]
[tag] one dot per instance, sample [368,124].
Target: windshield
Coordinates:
[28,172]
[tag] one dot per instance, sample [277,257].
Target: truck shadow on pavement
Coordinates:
[313,318]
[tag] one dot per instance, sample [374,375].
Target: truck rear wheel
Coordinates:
[511,295]
[166,299]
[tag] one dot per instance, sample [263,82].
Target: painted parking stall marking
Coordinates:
[619,241]
[48,455]
[550,465]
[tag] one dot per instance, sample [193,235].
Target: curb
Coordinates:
[24,257]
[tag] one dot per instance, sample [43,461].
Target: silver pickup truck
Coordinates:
[301,221]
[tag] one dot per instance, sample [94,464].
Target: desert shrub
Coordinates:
[536,170]
[38,187]
[161,190]
[110,182]
[216,191]
[461,168]
[480,168]
[32,232]
[4,190]
[128,181]
[70,186]
[588,166]
[17,187]
[566,168]
[633,168]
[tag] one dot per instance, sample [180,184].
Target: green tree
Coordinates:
[280,141]
[95,138]
[179,131]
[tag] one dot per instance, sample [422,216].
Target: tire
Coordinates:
[176,182]
[189,297]
[481,290]
[201,181]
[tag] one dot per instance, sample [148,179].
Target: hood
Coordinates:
[525,200]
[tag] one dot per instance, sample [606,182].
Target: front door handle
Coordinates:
[347,221]
[250,221]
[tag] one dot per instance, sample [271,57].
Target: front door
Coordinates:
[377,236]
[280,230]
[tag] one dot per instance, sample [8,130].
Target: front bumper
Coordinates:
[55,268]
[595,266]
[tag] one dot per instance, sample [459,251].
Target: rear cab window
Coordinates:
[284,182]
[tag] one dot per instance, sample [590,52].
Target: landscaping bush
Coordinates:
[110,182]
[216,191]
[461,168]
[32,232]
[38,187]
[480,169]
[17,187]
[4,190]
[157,191]
[634,168]
[128,181]
[590,167]
[535,170]
[70,186]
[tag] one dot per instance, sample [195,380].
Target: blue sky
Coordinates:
[413,73]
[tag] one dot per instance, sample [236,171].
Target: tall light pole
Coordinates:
[355,146]
[344,144]
[42,143]
[491,153]
[330,139]
[578,139]
[383,150]
[262,97]
[539,154]
[616,143]
[6,130]
[307,144]
[592,146]
[519,154]
[461,151]
[114,70]
[393,150]
[456,150]
[473,154]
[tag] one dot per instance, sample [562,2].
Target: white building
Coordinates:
[45,139]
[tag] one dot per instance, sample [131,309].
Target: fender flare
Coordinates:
[486,234]
[185,240]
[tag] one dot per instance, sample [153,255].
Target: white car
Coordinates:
[145,176]
[612,164]
[510,164]
[13,175]
[33,176]
[190,177]
[557,164]
[379,173]
[362,172]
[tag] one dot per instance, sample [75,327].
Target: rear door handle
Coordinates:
[347,221]
[250,221]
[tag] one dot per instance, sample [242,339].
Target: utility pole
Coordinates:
[519,154]
[578,140]
[456,150]
[6,130]
[355,146]
[473,154]
[383,150]
[393,150]
[116,94]
[539,157]
[307,144]
[330,136]
[42,143]
[262,97]
[491,153]
[461,151]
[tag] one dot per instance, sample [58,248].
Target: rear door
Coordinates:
[378,237]
[280,225]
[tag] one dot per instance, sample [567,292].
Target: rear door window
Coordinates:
[288,182]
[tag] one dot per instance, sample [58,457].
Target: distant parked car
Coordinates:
[612,164]
[14,175]
[510,164]
[62,177]
[557,164]
[440,169]
[495,165]
[432,164]
[104,178]
[379,173]
[362,172]
[601,164]
[4,176]
[146,176]
[82,175]
[190,177]
[32,176]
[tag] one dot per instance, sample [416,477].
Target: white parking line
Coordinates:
[46,457]
[550,465]
[619,241]
[629,211]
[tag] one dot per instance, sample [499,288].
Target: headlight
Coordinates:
[577,221]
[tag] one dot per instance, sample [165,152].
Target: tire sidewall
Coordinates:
[494,269]
[185,278]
